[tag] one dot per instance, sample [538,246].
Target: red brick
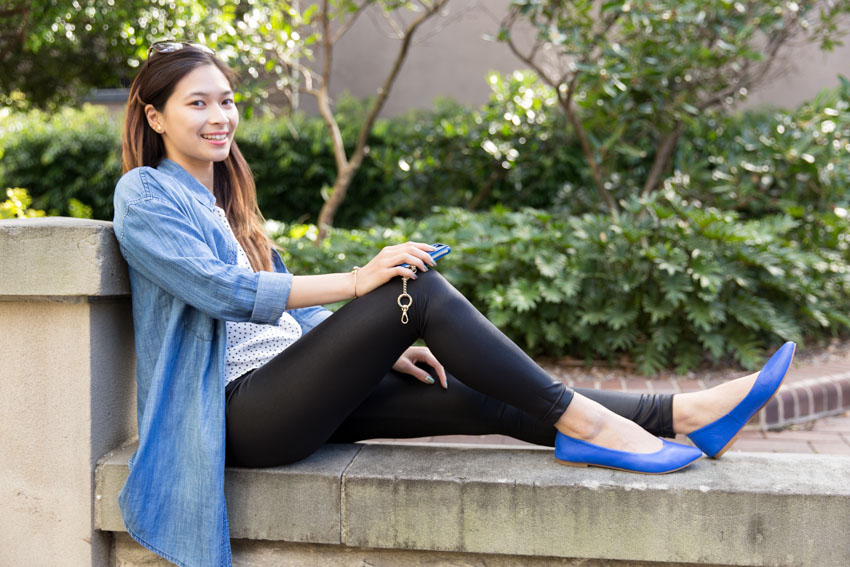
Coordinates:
[845,391]
[690,385]
[837,424]
[789,408]
[612,384]
[833,393]
[663,387]
[586,384]
[833,369]
[637,385]
[751,434]
[819,397]
[772,446]
[771,411]
[802,434]
[801,373]
[804,401]
[831,447]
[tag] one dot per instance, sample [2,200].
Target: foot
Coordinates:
[694,410]
[589,421]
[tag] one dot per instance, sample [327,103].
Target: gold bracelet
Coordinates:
[354,271]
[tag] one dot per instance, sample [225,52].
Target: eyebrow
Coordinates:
[204,95]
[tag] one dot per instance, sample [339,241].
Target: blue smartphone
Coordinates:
[439,251]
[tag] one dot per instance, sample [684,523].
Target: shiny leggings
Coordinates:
[335,384]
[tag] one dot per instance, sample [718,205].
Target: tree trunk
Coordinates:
[337,196]
[487,189]
[662,159]
[589,157]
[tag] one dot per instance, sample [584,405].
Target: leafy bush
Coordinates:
[770,161]
[635,76]
[293,165]
[73,154]
[671,281]
[450,157]
[515,150]
[17,205]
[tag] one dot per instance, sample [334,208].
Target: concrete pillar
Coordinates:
[67,384]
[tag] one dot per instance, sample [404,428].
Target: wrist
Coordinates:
[354,271]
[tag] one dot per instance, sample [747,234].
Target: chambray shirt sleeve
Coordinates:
[159,241]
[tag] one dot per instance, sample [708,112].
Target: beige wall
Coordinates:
[450,58]
[67,385]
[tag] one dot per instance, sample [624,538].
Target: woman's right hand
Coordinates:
[387,264]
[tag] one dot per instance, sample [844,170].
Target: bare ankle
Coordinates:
[581,420]
[685,412]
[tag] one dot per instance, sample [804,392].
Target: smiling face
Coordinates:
[198,121]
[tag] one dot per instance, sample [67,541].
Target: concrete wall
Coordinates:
[67,385]
[67,400]
[429,504]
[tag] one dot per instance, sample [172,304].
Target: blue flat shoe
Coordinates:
[719,435]
[671,457]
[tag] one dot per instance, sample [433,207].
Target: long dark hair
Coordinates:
[233,184]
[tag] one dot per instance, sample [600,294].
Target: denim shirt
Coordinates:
[185,285]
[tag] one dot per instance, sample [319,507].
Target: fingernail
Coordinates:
[429,379]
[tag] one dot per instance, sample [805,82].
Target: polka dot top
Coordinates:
[250,345]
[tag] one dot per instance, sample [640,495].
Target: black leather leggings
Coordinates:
[335,384]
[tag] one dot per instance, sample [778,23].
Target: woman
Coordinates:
[237,361]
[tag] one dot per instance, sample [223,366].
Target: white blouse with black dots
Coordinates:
[250,345]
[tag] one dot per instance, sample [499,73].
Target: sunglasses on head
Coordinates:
[172,46]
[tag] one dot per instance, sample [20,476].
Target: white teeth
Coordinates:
[217,137]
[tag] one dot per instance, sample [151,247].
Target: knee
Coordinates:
[435,290]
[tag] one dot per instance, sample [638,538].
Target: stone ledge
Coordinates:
[747,509]
[51,257]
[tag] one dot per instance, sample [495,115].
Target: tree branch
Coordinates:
[662,158]
[323,97]
[745,79]
[566,103]
[7,12]
[487,189]
[347,25]
[327,45]
[397,30]
[347,168]
[384,91]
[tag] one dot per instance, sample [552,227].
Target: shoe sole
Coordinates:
[585,465]
[735,437]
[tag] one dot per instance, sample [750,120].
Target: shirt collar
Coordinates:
[194,186]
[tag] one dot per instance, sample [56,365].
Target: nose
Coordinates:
[218,115]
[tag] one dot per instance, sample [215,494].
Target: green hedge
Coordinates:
[73,154]
[515,150]
[768,161]
[666,284]
[746,245]
[444,157]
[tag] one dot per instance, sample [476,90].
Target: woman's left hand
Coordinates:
[406,363]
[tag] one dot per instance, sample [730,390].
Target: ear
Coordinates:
[154,118]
